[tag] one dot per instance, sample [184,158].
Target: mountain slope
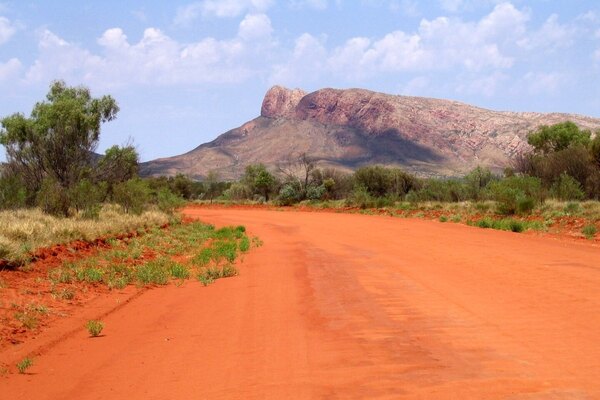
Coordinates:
[349,128]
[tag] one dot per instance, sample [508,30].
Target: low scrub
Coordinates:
[147,259]
[94,327]
[24,231]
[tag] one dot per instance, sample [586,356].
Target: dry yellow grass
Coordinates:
[24,231]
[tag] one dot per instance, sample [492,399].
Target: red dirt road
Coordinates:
[350,306]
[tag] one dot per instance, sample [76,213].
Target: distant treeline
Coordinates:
[50,165]
[564,164]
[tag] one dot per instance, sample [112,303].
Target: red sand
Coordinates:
[349,306]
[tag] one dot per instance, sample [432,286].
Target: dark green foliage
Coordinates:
[119,164]
[289,194]
[57,141]
[13,193]
[53,198]
[86,197]
[132,195]
[168,201]
[566,188]
[259,181]
[450,190]
[477,180]
[380,181]
[517,194]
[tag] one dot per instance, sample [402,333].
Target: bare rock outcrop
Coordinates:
[280,102]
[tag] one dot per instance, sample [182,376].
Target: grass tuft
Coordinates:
[94,327]
[24,365]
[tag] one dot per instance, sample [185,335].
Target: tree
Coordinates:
[548,139]
[119,164]
[211,184]
[56,142]
[299,171]
[259,180]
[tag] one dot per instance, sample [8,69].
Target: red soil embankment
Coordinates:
[350,306]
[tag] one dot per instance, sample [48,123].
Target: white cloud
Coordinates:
[551,35]
[255,27]
[486,85]
[7,30]
[218,8]
[538,83]
[156,59]
[304,64]
[416,86]
[10,69]
[314,4]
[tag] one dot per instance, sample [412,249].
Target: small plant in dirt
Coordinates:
[94,327]
[27,319]
[589,231]
[179,271]
[443,218]
[63,294]
[24,365]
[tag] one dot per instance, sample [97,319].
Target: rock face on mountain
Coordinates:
[349,128]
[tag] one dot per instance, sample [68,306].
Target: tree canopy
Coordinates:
[58,139]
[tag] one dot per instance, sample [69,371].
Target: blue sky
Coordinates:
[184,72]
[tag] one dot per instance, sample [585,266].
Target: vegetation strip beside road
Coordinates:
[35,294]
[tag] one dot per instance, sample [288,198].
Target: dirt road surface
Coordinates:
[350,307]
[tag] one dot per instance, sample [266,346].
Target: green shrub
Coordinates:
[179,271]
[53,198]
[315,192]
[24,365]
[132,195]
[288,195]
[168,201]
[154,272]
[94,327]
[517,194]
[566,188]
[361,198]
[13,193]
[86,197]
[589,231]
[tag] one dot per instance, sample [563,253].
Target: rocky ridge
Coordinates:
[353,127]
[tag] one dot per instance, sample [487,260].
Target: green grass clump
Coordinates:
[94,327]
[24,365]
[443,218]
[505,224]
[589,231]
[154,272]
[179,271]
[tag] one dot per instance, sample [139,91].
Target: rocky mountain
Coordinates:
[349,128]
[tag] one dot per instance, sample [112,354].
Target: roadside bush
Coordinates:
[53,199]
[12,193]
[517,194]
[451,190]
[238,191]
[288,195]
[167,201]
[132,195]
[566,188]
[86,197]
[315,192]
[361,198]
[380,181]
